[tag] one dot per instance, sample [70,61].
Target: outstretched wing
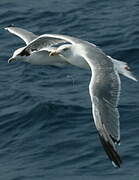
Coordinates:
[104,90]
[47,42]
[22,33]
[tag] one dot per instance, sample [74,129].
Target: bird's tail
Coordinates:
[122,68]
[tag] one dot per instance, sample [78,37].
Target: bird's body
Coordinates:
[104,87]
[43,58]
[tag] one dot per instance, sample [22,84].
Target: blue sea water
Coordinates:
[46,126]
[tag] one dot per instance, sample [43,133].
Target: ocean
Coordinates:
[46,125]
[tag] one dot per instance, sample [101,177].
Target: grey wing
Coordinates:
[104,91]
[22,33]
[46,42]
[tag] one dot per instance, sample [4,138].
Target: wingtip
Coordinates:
[111,152]
[115,165]
[11,25]
[24,52]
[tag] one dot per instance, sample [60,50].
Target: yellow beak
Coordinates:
[53,53]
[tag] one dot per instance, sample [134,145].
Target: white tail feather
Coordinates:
[122,68]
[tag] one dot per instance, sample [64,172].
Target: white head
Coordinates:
[16,54]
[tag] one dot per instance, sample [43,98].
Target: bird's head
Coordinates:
[16,55]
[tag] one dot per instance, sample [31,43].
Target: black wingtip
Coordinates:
[7,27]
[24,53]
[110,151]
[11,25]
[115,140]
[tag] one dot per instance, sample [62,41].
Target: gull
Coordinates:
[40,57]
[104,87]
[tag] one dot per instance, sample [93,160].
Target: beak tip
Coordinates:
[10,60]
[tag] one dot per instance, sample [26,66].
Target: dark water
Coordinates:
[46,126]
